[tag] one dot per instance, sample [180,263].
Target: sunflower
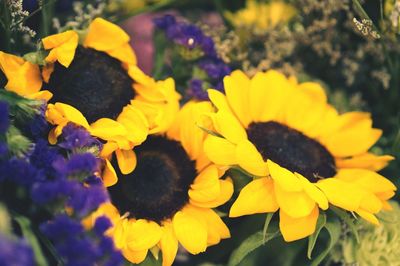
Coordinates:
[168,197]
[96,84]
[303,155]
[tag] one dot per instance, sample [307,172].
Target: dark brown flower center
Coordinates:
[159,185]
[292,149]
[94,83]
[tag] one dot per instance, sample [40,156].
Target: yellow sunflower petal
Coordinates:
[367,179]
[186,130]
[126,160]
[355,135]
[143,234]
[124,53]
[297,228]
[250,159]
[314,90]
[216,229]
[168,244]
[63,46]
[371,203]
[368,216]
[134,256]
[341,193]
[237,86]
[191,233]
[228,126]
[135,123]
[71,114]
[295,204]
[226,191]
[22,76]
[41,95]
[47,70]
[256,197]
[108,149]
[106,128]
[100,33]
[267,90]
[314,192]
[286,179]
[367,160]
[55,133]
[218,99]
[220,151]
[206,185]
[109,175]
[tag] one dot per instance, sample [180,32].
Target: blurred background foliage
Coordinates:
[351,47]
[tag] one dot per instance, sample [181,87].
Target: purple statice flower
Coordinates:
[87,199]
[51,191]
[185,34]
[76,137]
[164,22]
[15,252]
[3,149]
[191,37]
[77,247]
[61,227]
[77,164]
[37,128]
[216,70]
[197,90]
[101,225]
[19,171]
[43,155]
[4,119]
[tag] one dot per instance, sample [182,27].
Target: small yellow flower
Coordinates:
[304,156]
[262,16]
[168,198]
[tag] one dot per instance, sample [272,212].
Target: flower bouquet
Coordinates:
[199,132]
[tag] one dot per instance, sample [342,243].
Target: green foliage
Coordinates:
[312,239]
[250,244]
[21,109]
[333,227]
[18,144]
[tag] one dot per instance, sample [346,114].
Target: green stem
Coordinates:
[47,9]
[26,229]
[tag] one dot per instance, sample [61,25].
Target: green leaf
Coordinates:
[250,244]
[334,230]
[348,220]
[25,225]
[312,239]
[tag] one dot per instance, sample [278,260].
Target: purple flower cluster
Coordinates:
[76,247]
[185,34]
[192,37]
[56,178]
[15,252]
